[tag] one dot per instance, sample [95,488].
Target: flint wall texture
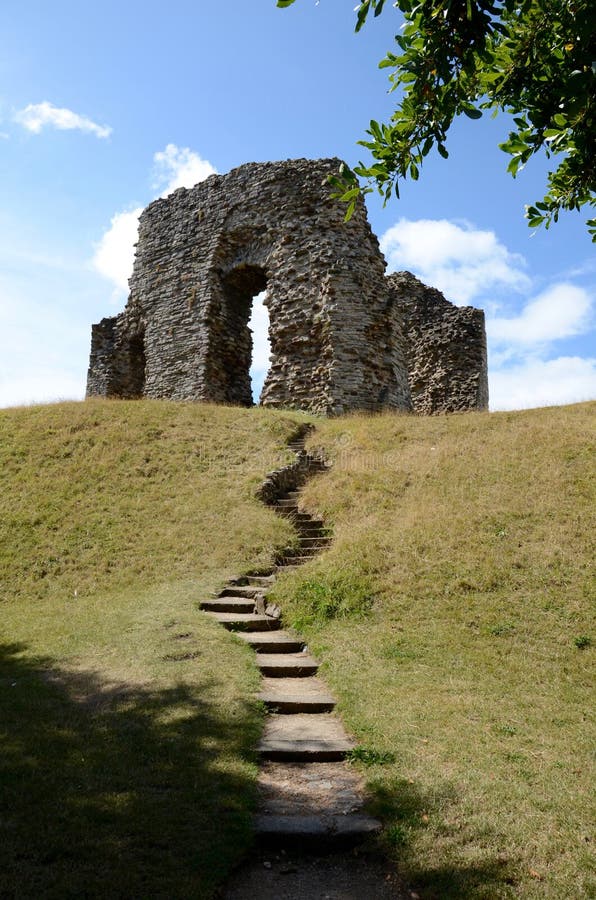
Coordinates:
[336,323]
[445,348]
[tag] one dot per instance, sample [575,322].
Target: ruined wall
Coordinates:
[445,348]
[204,253]
[336,323]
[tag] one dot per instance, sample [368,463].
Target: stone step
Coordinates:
[315,532]
[307,519]
[297,559]
[242,590]
[319,832]
[304,751]
[228,604]
[315,540]
[286,504]
[273,642]
[245,621]
[296,695]
[319,788]
[307,737]
[287,665]
[296,553]
[260,580]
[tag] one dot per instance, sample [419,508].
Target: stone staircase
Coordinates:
[308,794]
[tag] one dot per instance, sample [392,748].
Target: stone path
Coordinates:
[309,797]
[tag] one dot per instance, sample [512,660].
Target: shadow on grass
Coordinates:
[406,811]
[108,791]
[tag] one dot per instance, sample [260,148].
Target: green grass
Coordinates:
[127,718]
[454,614]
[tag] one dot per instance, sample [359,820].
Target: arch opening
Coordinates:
[261,345]
[128,371]
[245,351]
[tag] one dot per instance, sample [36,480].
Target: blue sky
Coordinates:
[104,107]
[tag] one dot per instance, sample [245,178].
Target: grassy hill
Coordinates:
[452,614]
[455,614]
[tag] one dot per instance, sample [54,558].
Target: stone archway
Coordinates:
[337,336]
[233,347]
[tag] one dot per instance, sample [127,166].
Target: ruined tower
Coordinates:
[339,330]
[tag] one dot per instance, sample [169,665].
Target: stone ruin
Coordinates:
[343,335]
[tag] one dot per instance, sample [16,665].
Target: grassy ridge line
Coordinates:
[455,612]
[127,719]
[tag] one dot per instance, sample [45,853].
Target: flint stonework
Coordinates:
[445,348]
[343,336]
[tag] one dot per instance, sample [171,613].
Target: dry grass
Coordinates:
[100,495]
[452,612]
[127,717]
[455,616]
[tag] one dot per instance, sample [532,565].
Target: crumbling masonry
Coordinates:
[343,335]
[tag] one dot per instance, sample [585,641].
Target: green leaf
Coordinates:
[375,130]
[350,195]
[349,212]
[529,59]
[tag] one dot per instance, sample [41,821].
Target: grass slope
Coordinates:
[454,613]
[126,718]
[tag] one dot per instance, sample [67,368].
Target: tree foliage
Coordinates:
[533,59]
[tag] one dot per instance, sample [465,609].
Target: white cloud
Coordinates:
[114,253]
[461,261]
[538,382]
[468,264]
[261,348]
[177,167]
[561,311]
[37,116]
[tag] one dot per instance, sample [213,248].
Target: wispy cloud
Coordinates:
[539,382]
[459,260]
[174,167]
[177,167]
[37,116]
[561,311]
[114,253]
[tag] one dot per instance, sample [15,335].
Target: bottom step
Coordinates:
[321,751]
[333,832]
